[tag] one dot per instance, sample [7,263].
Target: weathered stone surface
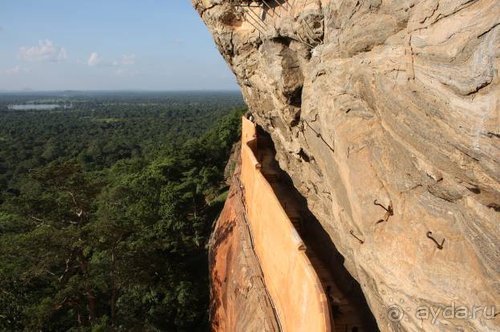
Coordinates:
[239,300]
[395,101]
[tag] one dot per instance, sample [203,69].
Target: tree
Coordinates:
[99,240]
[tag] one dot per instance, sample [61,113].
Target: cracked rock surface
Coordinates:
[388,100]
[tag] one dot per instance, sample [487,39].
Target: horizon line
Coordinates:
[120,90]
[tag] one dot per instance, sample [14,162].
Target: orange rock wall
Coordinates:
[239,300]
[292,283]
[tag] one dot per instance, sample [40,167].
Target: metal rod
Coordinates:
[276,2]
[286,4]
[257,22]
[387,209]
[304,42]
[311,32]
[245,6]
[239,5]
[255,14]
[356,237]
[267,5]
[262,29]
[439,245]
[273,9]
[279,4]
[258,18]
[255,26]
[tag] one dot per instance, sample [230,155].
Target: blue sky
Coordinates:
[107,45]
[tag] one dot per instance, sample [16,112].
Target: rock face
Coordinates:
[385,114]
[240,301]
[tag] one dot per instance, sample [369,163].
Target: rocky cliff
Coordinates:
[385,114]
[239,297]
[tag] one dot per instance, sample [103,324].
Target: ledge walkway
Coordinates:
[347,307]
[294,287]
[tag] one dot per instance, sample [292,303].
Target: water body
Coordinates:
[36,107]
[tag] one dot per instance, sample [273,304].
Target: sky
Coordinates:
[107,45]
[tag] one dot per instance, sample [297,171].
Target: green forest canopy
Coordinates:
[106,208]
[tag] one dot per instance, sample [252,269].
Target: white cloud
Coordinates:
[123,71]
[94,59]
[16,70]
[125,60]
[44,51]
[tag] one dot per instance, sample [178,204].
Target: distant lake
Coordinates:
[40,107]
